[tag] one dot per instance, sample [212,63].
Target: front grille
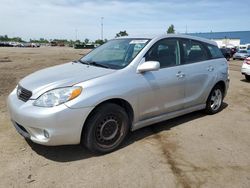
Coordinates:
[23,94]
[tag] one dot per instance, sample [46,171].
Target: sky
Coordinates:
[80,19]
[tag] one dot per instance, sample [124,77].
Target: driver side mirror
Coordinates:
[148,66]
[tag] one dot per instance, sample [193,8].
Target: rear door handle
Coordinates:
[210,68]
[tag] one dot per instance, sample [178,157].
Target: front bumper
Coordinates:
[245,69]
[58,125]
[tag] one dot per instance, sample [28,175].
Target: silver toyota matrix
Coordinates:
[123,85]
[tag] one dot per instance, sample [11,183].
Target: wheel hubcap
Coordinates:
[216,100]
[108,131]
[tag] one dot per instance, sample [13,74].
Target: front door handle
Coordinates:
[180,74]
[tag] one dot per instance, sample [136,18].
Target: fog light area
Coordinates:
[46,134]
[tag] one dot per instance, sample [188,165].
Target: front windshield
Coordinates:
[116,54]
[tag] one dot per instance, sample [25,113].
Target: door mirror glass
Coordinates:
[148,66]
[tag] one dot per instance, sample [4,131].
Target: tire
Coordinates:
[215,100]
[233,58]
[106,128]
[247,77]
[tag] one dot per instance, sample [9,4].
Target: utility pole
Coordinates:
[186,29]
[102,28]
[76,34]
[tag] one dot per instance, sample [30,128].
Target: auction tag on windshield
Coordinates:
[138,41]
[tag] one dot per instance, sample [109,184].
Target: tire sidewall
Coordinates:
[209,110]
[247,77]
[90,131]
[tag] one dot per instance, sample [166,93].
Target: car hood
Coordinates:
[60,76]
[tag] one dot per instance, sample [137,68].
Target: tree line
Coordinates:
[5,38]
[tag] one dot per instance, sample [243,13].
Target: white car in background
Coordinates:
[245,70]
[241,54]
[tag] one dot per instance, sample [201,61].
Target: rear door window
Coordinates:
[215,51]
[192,51]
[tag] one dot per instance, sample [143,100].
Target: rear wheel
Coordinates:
[214,101]
[247,77]
[106,128]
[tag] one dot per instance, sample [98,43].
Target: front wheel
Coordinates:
[214,101]
[247,77]
[106,128]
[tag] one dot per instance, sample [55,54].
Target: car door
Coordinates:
[199,71]
[163,90]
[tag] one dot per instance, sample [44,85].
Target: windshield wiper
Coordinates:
[93,63]
[97,64]
[83,62]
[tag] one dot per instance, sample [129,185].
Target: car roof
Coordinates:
[158,37]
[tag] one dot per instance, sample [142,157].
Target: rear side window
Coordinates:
[192,51]
[215,51]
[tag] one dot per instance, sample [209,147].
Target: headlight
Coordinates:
[58,96]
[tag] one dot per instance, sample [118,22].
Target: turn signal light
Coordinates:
[75,93]
[247,61]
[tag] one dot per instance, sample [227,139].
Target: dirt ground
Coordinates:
[195,150]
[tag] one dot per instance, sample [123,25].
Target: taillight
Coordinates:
[247,61]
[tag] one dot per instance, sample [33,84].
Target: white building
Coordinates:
[226,42]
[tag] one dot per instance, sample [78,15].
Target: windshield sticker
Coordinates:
[138,41]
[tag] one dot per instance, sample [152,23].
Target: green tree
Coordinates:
[16,39]
[86,41]
[121,34]
[171,29]
[41,40]
[99,41]
[3,38]
[77,42]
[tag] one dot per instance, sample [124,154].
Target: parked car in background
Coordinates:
[6,44]
[243,47]
[19,44]
[124,84]
[241,54]
[35,45]
[2,44]
[226,53]
[245,69]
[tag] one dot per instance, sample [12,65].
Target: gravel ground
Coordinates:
[195,150]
